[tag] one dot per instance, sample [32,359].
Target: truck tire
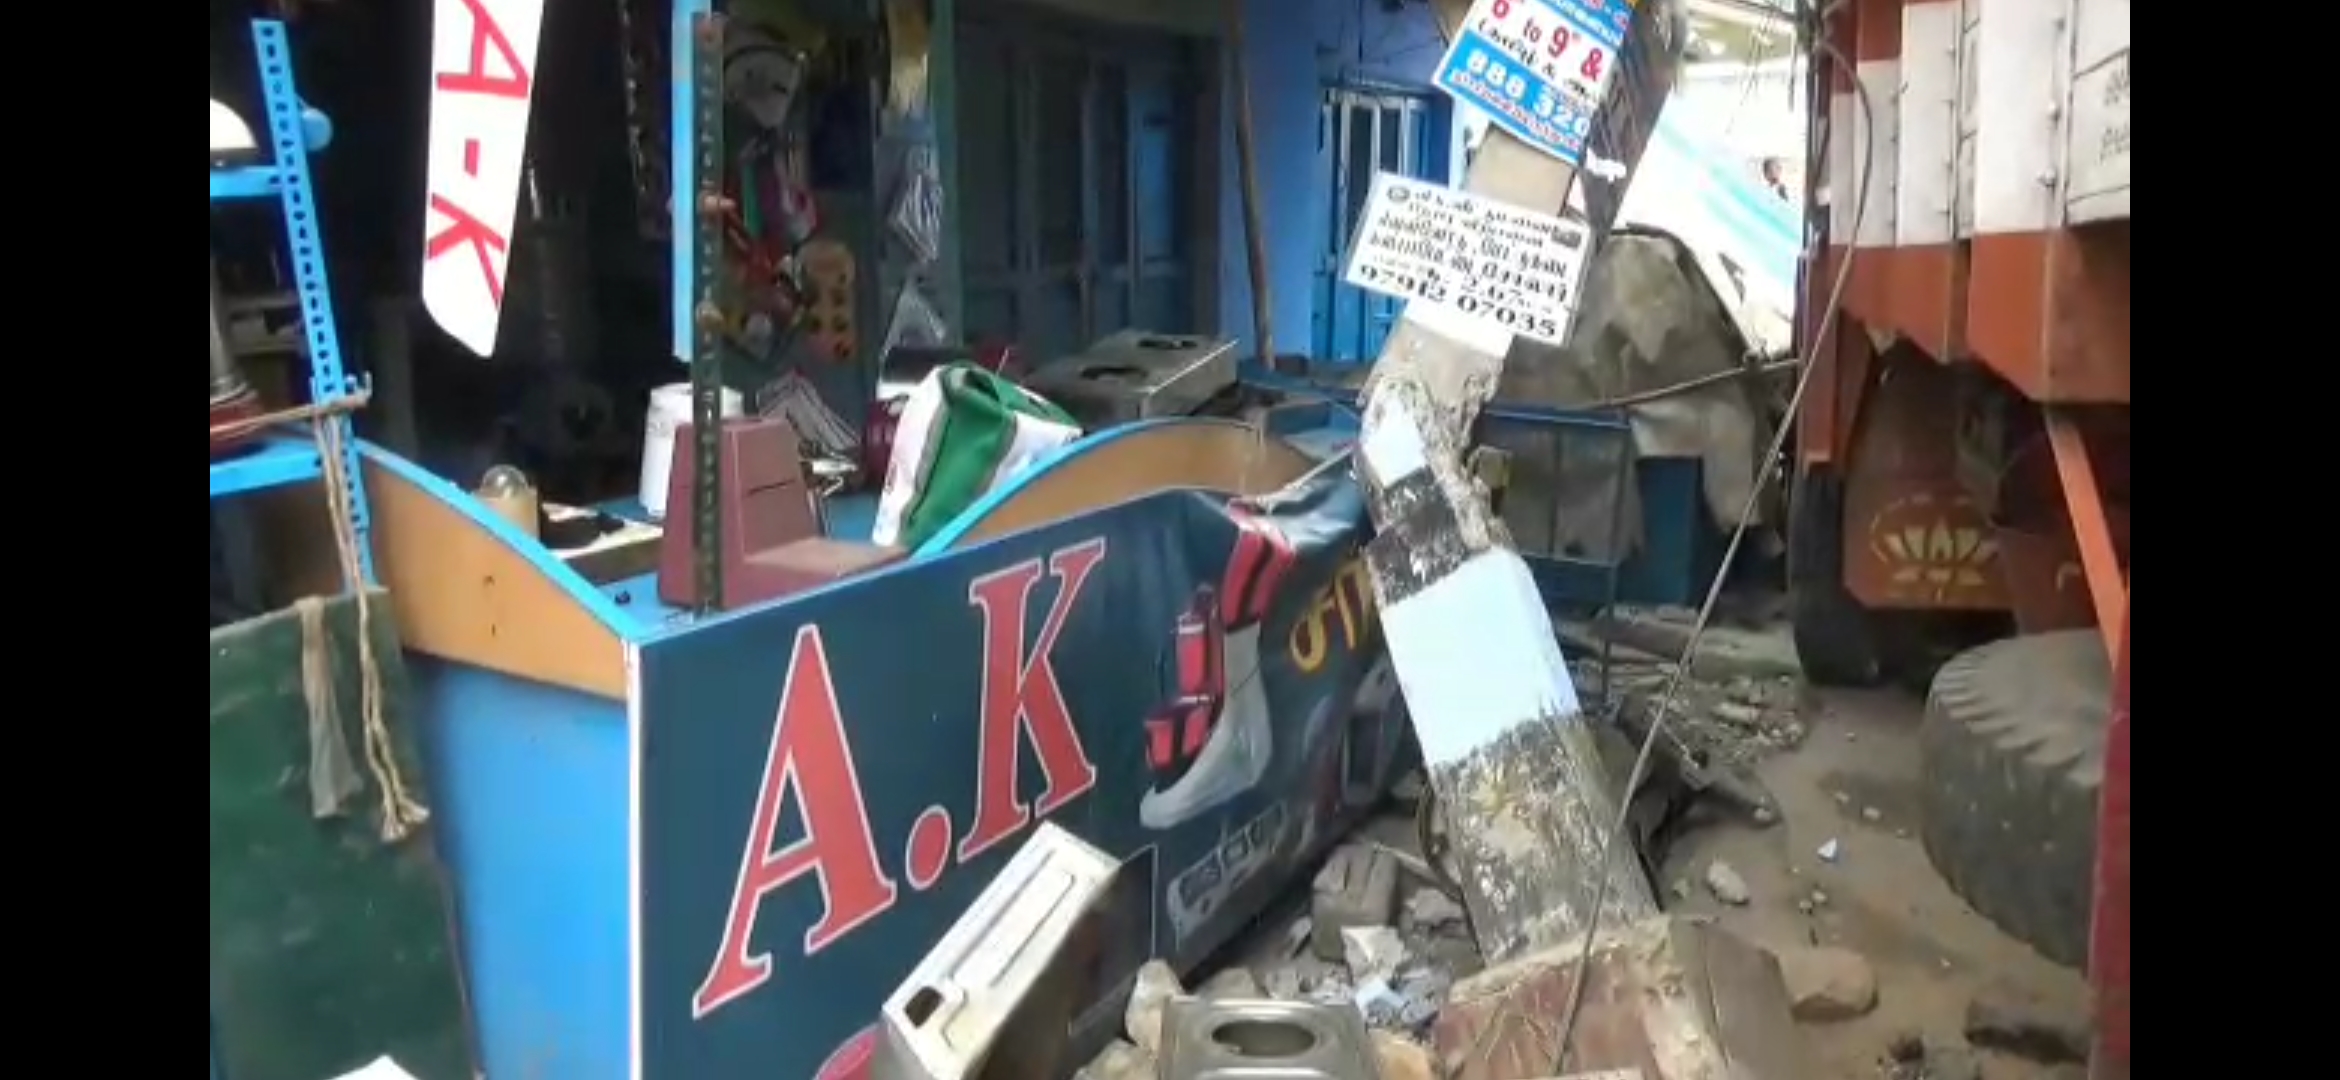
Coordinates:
[2011,760]
[1834,637]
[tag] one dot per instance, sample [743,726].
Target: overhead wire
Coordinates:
[1706,608]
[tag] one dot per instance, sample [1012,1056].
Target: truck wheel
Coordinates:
[1833,635]
[2012,757]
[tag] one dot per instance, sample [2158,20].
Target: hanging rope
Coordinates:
[401,812]
[333,777]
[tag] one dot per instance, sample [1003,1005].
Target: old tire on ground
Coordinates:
[2012,758]
[1832,630]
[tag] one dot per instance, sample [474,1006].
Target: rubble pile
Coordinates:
[1728,721]
[1378,937]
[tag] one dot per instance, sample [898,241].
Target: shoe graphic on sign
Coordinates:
[1213,741]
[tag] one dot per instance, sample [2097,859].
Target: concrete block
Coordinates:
[1356,888]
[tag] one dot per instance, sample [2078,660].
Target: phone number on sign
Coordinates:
[1488,76]
[1432,291]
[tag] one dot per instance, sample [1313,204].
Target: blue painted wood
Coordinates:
[1075,144]
[1362,131]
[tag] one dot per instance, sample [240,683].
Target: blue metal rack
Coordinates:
[289,458]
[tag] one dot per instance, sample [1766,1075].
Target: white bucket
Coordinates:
[670,408]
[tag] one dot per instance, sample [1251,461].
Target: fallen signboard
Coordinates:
[1192,684]
[1468,256]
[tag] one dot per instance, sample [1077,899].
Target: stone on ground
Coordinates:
[1723,880]
[1826,983]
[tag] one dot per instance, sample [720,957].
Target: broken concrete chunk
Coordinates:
[1234,982]
[1723,880]
[1430,909]
[1372,952]
[2010,1020]
[1142,1020]
[1826,983]
[1402,1058]
[1119,1061]
[1356,888]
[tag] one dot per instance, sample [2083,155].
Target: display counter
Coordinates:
[692,846]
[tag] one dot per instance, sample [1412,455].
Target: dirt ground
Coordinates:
[1846,773]
[1853,781]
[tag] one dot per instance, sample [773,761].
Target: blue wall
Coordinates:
[1296,48]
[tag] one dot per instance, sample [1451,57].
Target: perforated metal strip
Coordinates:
[707,319]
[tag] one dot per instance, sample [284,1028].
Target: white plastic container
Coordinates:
[670,408]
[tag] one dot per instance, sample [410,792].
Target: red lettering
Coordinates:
[1022,699]
[809,753]
[464,230]
[474,78]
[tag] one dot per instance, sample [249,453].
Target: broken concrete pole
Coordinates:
[1526,799]
[1671,998]
[1357,888]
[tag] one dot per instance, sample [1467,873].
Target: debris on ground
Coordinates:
[2014,1021]
[1827,983]
[1120,1061]
[1148,998]
[1911,1056]
[1866,947]
[1724,882]
[1372,952]
[1429,910]
[1234,982]
[1401,1058]
[1724,723]
[1724,652]
[1356,889]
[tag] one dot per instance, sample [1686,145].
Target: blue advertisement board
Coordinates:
[1539,69]
[1195,685]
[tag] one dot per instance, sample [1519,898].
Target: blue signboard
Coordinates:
[825,784]
[1538,68]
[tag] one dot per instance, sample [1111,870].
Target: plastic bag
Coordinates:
[915,324]
[918,206]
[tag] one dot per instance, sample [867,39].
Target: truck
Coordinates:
[1959,510]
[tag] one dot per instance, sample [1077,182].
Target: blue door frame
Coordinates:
[1077,168]
[1360,131]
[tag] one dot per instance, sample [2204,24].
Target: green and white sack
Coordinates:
[963,432]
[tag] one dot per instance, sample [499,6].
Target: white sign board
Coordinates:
[1468,260]
[483,62]
[1537,68]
